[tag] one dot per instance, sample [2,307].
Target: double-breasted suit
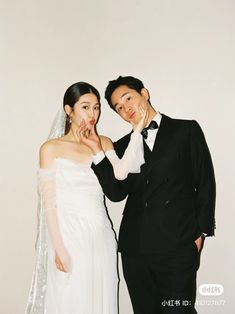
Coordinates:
[172,201]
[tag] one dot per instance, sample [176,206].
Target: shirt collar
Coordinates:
[157,118]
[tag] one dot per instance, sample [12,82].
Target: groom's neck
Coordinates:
[152,114]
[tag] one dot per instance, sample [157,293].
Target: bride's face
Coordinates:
[87,108]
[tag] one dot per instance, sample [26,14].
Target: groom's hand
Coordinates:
[89,137]
[199,243]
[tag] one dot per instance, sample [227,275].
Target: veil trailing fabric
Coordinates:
[35,304]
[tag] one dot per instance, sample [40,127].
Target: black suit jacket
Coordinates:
[172,201]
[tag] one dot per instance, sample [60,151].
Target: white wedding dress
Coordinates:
[71,191]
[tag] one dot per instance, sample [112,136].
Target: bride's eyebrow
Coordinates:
[85,102]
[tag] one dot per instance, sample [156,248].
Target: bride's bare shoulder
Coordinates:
[106,142]
[49,146]
[48,152]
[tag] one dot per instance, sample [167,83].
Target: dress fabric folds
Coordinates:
[90,286]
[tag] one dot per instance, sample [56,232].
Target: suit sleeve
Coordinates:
[204,180]
[112,188]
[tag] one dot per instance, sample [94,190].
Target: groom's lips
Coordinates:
[131,115]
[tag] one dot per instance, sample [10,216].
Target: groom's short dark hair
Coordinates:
[128,81]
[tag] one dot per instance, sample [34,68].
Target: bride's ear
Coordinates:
[68,109]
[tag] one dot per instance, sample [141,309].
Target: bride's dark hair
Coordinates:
[72,95]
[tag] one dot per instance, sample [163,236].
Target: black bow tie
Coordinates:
[152,126]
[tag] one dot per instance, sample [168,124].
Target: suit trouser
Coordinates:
[162,283]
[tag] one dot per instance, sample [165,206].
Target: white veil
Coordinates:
[58,125]
[35,304]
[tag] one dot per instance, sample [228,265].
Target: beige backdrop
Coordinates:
[184,52]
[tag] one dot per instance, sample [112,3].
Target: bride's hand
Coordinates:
[63,263]
[89,137]
[143,121]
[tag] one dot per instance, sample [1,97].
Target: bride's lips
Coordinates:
[92,122]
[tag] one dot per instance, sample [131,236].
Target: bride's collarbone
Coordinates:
[75,151]
[73,146]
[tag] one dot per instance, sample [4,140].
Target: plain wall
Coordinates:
[183,51]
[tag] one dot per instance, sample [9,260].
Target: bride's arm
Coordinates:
[47,190]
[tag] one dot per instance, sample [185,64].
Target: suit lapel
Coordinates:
[147,151]
[164,132]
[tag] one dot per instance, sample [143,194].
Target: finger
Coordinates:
[83,123]
[142,111]
[84,132]
[63,268]
[198,244]
[146,115]
[80,135]
[80,130]
[58,265]
[92,129]
[82,127]
[87,132]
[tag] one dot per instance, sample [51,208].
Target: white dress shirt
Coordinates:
[153,133]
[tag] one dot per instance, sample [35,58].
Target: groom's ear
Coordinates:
[145,93]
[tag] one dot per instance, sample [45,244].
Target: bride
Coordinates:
[76,261]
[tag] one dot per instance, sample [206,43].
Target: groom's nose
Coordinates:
[127,107]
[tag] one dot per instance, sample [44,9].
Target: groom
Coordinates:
[170,204]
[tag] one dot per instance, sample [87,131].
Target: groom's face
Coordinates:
[128,103]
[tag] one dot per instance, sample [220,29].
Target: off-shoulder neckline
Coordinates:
[73,161]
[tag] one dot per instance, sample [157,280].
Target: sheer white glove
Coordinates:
[47,189]
[132,159]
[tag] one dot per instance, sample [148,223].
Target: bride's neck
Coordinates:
[72,134]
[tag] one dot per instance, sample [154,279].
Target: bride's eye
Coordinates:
[85,107]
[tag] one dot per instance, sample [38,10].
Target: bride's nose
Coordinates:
[91,114]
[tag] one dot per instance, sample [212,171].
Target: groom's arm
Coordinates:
[204,180]
[117,190]
[114,189]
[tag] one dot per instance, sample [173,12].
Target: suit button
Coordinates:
[167,202]
[146,204]
[167,180]
[147,181]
